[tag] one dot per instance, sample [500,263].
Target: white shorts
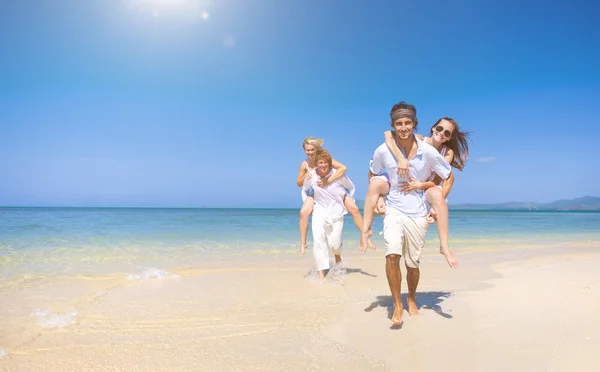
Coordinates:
[404,236]
[383,177]
[440,187]
[327,234]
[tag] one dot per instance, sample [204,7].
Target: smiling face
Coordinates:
[323,166]
[310,151]
[323,162]
[442,131]
[404,128]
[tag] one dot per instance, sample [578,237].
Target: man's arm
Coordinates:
[447,185]
[349,185]
[439,165]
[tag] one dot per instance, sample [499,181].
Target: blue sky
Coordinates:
[190,103]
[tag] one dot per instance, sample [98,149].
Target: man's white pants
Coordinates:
[327,234]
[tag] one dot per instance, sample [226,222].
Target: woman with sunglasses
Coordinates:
[446,137]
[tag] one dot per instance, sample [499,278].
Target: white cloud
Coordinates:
[486,159]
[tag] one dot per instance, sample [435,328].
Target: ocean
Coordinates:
[89,241]
[107,274]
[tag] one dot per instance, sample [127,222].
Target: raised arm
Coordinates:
[340,170]
[447,185]
[390,142]
[302,174]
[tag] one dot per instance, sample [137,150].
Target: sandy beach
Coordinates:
[530,308]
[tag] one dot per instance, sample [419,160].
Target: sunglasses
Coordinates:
[447,133]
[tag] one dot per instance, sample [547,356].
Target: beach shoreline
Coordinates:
[271,313]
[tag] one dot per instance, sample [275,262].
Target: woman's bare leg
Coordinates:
[377,187]
[356,217]
[305,211]
[436,200]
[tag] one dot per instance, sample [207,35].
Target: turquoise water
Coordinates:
[67,240]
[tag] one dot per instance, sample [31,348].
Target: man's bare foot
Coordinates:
[365,241]
[450,258]
[303,247]
[412,306]
[321,274]
[397,317]
[338,258]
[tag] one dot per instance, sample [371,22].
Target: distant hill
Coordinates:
[586,203]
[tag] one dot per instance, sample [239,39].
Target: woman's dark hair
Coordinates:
[458,143]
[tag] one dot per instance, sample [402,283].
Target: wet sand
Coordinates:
[519,308]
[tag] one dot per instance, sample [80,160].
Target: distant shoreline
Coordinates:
[451,208]
[583,204]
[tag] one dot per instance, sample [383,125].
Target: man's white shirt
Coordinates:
[427,161]
[329,200]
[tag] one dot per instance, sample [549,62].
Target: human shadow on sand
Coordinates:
[425,300]
[359,271]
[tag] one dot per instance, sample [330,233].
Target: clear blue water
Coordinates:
[54,240]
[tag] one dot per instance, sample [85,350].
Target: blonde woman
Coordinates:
[310,146]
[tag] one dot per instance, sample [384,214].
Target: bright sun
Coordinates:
[160,8]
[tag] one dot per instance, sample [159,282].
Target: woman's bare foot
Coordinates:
[321,274]
[397,317]
[303,247]
[412,306]
[364,241]
[338,258]
[370,243]
[450,258]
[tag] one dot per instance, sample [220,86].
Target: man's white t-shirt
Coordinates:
[427,161]
[329,200]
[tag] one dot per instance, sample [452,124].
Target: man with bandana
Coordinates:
[405,224]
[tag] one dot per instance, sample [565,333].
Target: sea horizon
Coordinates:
[450,208]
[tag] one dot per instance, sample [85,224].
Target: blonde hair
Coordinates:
[318,143]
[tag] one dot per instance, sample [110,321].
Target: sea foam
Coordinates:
[337,273]
[46,319]
[152,273]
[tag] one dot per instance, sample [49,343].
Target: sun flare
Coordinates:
[197,8]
